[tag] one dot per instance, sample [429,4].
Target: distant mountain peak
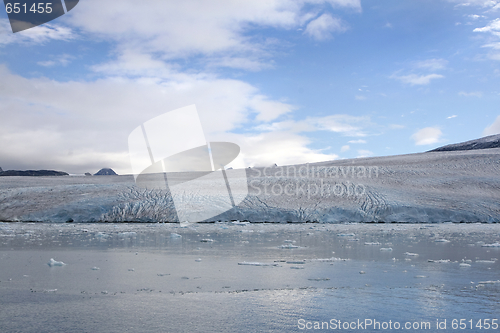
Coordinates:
[105,172]
[492,141]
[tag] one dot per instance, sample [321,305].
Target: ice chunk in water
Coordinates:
[463,264]
[174,235]
[442,240]
[288,246]
[206,240]
[411,254]
[386,249]
[256,263]
[496,244]
[95,268]
[53,262]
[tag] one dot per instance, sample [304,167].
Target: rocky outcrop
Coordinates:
[105,172]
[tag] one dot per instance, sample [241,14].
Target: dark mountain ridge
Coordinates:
[492,141]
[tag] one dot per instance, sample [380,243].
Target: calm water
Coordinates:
[164,278]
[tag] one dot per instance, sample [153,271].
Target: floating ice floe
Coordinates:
[198,260]
[373,243]
[206,240]
[486,261]
[411,254]
[386,249]
[420,276]
[174,235]
[101,235]
[362,272]
[439,261]
[240,223]
[127,234]
[296,262]
[346,235]
[288,246]
[296,267]
[332,259]
[250,263]
[442,240]
[53,262]
[49,290]
[496,244]
[463,264]
[319,279]
[489,282]
[95,268]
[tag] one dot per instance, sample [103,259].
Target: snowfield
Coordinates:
[448,186]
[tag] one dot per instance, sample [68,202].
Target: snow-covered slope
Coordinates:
[428,187]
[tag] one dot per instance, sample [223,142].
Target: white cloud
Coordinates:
[495,45]
[471,94]
[360,97]
[36,35]
[493,128]
[62,60]
[215,29]
[280,147]
[432,64]
[414,79]
[323,27]
[47,120]
[451,117]
[364,153]
[493,27]
[491,4]
[268,109]
[357,141]
[345,148]
[427,136]
[341,123]
[396,126]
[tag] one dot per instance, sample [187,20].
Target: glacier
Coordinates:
[430,187]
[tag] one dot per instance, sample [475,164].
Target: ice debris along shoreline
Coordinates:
[432,187]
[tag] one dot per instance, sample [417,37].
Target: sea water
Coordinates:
[239,277]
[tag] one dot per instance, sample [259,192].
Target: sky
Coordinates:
[289,81]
